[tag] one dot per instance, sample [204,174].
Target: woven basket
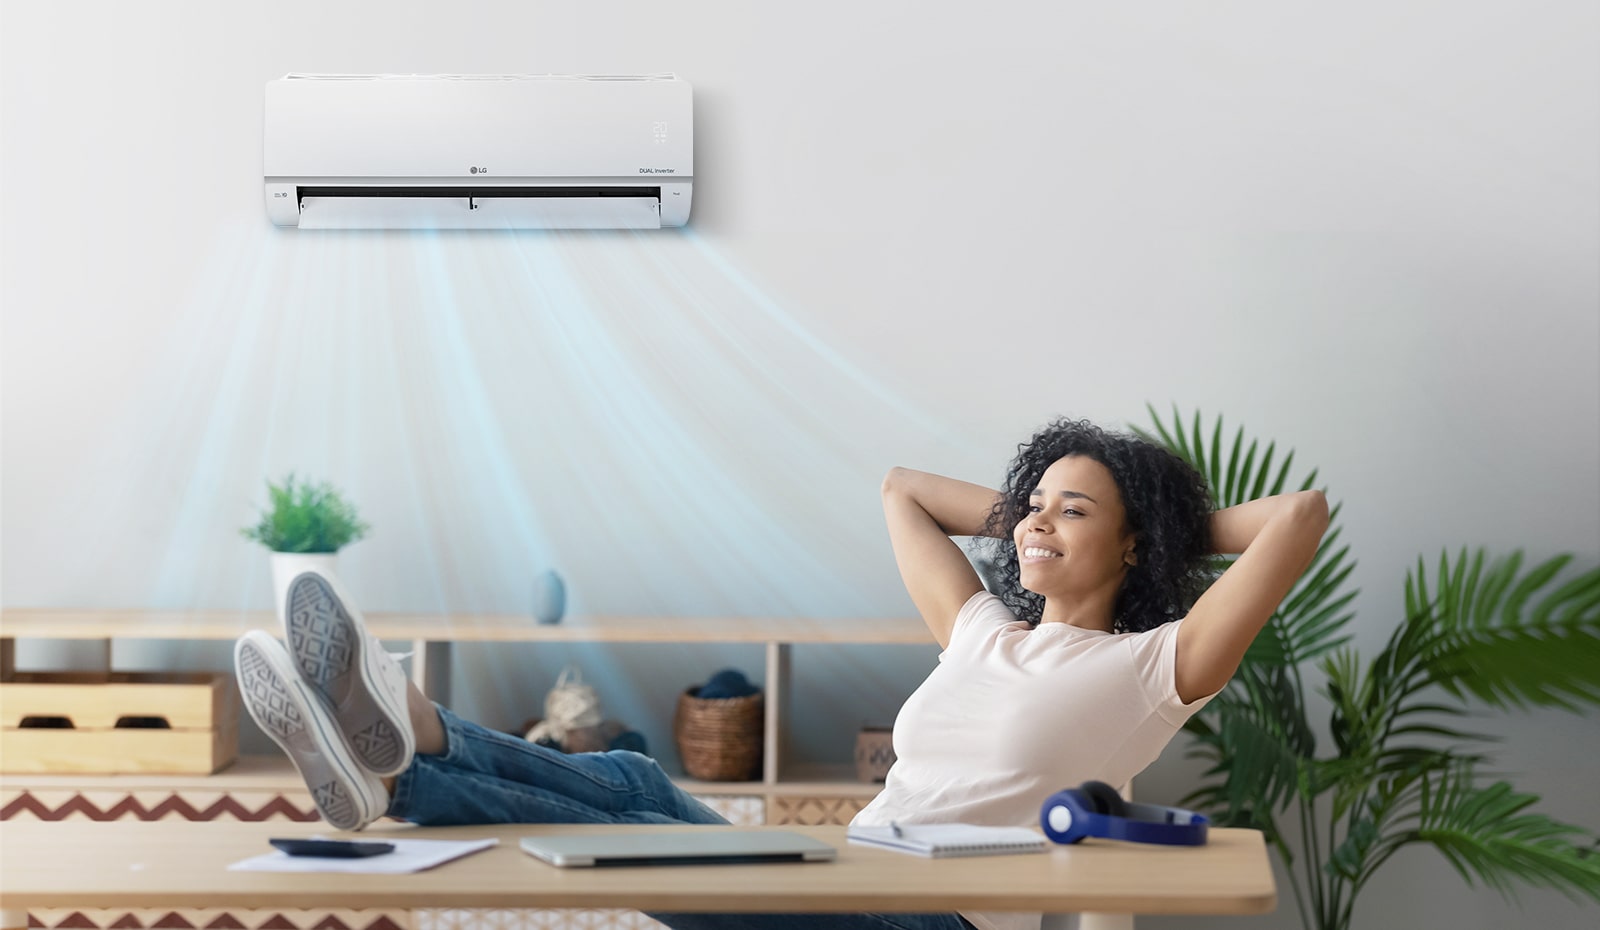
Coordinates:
[874,753]
[719,738]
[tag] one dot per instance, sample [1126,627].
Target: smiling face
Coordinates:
[1073,544]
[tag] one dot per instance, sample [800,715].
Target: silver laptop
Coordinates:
[694,847]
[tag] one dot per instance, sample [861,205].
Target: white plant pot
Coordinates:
[287,565]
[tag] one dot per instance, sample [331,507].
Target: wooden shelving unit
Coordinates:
[431,637]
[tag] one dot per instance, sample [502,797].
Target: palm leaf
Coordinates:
[1486,834]
[1508,642]
[1218,796]
[1311,620]
[1259,737]
[1363,731]
[1413,708]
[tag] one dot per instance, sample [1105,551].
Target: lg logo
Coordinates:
[476,169]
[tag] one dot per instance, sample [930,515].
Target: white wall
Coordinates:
[1368,231]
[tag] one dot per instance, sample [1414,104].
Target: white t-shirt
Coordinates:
[1012,715]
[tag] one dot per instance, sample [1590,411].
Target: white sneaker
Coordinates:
[347,796]
[363,685]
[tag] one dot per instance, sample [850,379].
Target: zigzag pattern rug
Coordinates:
[422,919]
[53,806]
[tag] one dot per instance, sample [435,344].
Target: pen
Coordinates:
[894,828]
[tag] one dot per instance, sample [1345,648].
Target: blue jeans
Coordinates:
[490,777]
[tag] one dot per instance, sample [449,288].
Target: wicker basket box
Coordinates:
[720,739]
[124,722]
[874,753]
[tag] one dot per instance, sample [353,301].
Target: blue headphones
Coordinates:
[1095,809]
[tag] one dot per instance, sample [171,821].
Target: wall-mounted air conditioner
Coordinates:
[478,151]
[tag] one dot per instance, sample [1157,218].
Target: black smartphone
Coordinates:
[331,849]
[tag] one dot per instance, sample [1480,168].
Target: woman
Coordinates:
[1101,640]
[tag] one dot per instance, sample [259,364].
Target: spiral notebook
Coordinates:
[941,840]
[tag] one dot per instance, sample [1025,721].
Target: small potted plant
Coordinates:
[305,526]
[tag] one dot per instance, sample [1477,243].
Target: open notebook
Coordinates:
[939,840]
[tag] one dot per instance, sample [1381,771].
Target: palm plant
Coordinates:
[1481,629]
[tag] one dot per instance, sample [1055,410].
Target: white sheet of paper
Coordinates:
[408,856]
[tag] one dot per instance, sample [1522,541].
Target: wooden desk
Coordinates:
[182,864]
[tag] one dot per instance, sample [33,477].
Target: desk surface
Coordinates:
[183,864]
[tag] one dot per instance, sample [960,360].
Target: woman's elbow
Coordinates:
[1312,509]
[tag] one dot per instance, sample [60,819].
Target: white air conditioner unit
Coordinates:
[478,151]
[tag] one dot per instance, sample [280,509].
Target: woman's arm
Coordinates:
[923,511]
[1276,538]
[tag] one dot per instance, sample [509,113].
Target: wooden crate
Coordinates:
[200,712]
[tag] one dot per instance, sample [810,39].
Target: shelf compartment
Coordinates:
[100,723]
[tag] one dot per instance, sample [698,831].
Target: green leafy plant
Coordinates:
[305,517]
[1482,630]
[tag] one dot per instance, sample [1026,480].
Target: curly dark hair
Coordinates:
[1168,506]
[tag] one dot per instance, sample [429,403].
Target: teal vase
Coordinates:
[549,597]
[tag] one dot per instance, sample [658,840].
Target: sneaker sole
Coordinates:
[280,706]
[329,647]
